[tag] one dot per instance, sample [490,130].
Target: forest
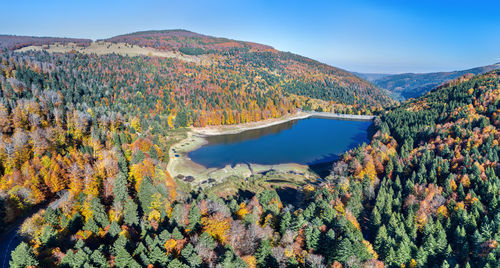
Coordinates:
[12,42]
[412,85]
[89,135]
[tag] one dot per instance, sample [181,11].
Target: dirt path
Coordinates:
[10,239]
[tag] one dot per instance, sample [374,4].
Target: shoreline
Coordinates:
[199,176]
[238,128]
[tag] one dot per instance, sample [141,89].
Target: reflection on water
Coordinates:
[310,141]
[250,134]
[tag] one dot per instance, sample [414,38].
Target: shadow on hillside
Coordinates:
[289,195]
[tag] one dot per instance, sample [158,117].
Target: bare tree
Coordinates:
[314,260]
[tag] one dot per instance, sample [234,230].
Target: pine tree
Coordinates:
[91,225]
[392,259]
[421,257]
[123,259]
[48,234]
[191,256]
[120,190]
[114,229]
[375,220]
[312,237]
[158,256]
[79,259]
[23,256]
[207,241]
[145,194]
[98,212]
[99,259]
[297,223]
[403,252]
[51,216]
[175,263]
[263,254]
[176,234]
[130,216]
[285,222]
[194,217]
[381,245]
[343,250]
[327,245]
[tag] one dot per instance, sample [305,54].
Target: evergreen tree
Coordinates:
[157,256]
[99,259]
[285,222]
[312,237]
[263,255]
[51,216]
[343,250]
[114,229]
[99,213]
[120,190]
[175,263]
[145,194]
[194,217]
[123,259]
[130,215]
[91,225]
[23,256]
[48,235]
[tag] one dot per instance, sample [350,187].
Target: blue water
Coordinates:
[307,141]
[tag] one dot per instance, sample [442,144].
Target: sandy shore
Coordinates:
[234,129]
[182,167]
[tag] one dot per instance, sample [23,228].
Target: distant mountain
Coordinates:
[411,85]
[187,42]
[15,42]
[371,76]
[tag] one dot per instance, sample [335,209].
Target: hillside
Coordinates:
[411,85]
[187,42]
[298,75]
[430,178]
[15,42]
[66,106]
[213,81]
[423,193]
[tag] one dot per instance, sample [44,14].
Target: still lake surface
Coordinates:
[307,141]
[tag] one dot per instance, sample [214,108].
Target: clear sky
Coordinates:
[365,36]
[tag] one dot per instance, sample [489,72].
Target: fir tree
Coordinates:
[130,215]
[23,256]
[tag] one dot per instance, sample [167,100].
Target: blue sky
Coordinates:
[366,36]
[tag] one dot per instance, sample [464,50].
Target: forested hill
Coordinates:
[296,74]
[423,193]
[411,85]
[16,42]
[202,80]
[426,189]
[187,42]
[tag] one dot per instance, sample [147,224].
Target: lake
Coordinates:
[307,141]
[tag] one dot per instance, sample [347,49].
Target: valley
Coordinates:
[412,85]
[177,149]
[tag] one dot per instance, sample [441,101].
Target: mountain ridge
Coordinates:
[296,74]
[411,85]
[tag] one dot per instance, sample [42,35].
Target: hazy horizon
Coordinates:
[359,36]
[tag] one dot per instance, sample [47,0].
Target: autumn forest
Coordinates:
[85,142]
